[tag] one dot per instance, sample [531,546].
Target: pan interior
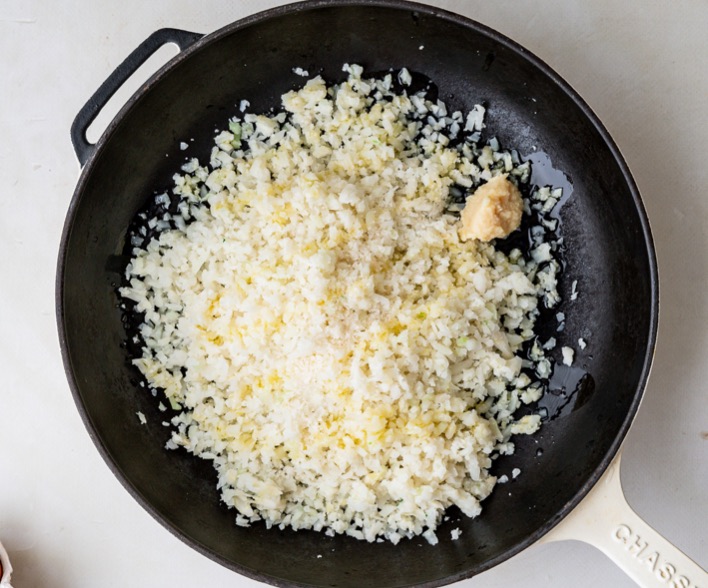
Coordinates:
[608,252]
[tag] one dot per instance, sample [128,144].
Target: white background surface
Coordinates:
[68,523]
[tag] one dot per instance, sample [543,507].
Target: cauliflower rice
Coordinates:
[346,362]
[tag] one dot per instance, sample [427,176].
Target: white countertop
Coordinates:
[68,523]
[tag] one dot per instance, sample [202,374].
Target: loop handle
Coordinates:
[120,75]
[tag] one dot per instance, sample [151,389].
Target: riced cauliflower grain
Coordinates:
[568,355]
[347,361]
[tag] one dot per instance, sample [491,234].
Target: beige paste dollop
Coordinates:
[493,211]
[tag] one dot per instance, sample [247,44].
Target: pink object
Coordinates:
[5,568]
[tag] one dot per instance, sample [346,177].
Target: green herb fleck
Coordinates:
[235,128]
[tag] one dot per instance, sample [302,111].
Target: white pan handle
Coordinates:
[605,520]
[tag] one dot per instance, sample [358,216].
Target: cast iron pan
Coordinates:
[608,250]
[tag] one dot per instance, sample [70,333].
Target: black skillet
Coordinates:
[608,250]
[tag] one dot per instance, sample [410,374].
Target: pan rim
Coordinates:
[403,5]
